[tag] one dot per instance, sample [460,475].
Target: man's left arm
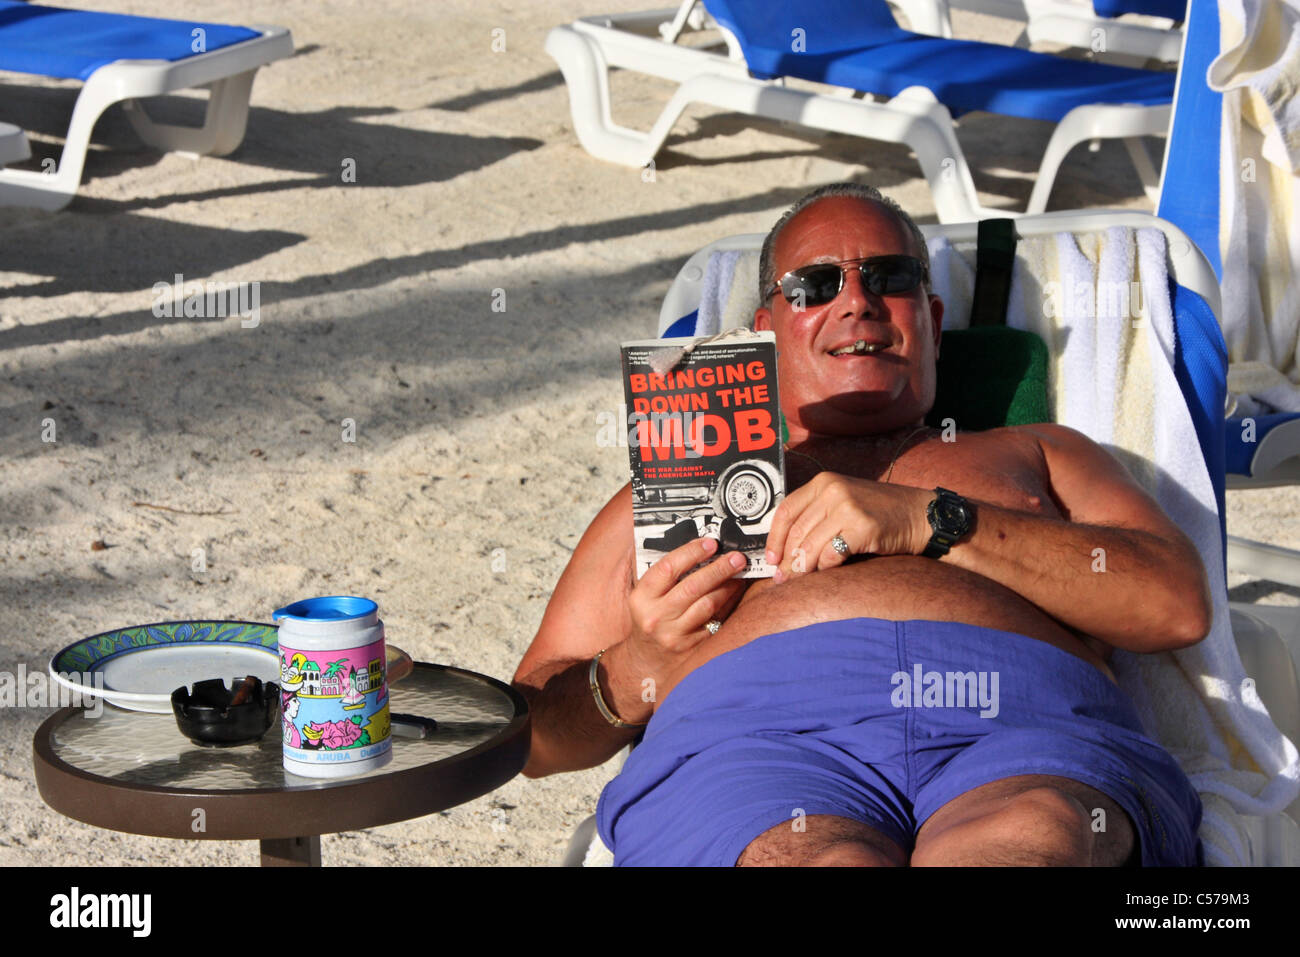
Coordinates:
[1114,566]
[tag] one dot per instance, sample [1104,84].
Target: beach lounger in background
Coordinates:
[126,59]
[1266,638]
[857,47]
[14,147]
[1085,24]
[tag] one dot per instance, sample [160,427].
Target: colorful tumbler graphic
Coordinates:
[332,675]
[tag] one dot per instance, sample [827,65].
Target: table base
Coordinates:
[291,851]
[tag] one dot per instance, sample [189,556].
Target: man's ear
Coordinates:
[936,316]
[762,319]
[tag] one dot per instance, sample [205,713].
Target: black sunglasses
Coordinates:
[820,283]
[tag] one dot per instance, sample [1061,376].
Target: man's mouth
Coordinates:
[859,348]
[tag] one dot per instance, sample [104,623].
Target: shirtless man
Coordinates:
[781,735]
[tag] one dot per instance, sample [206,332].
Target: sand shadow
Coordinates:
[325,144]
[163,248]
[469,101]
[181,248]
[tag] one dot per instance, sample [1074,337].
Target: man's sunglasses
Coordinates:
[820,283]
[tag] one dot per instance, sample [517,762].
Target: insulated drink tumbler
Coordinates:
[332,675]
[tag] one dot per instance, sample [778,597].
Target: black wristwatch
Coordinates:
[951,517]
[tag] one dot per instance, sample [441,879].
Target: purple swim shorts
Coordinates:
[882,722]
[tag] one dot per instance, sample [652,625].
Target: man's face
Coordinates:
[851,394]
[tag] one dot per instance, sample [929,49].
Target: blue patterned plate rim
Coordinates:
[87,654]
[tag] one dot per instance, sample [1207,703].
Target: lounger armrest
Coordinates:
[1276,458]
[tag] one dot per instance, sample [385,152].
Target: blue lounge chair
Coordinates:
[856,45]
[123,58]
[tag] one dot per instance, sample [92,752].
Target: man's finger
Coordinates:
[800,535]
[820,539]
[715,606]
[785,515]
[737,589]
[662,577]
[701,583]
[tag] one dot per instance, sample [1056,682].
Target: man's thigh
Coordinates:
[1028,819]
[824,840]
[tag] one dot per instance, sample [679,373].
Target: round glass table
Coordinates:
[456,736]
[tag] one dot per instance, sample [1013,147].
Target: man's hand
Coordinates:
[671,605]
[873,518]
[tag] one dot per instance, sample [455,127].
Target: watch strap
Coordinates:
[938,545]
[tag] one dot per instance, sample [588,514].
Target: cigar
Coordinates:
[243,691]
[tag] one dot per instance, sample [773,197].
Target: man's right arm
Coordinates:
[648,629]
[588,611]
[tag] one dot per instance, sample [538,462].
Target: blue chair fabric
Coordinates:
[73,44]
[1171,9]
[857,44]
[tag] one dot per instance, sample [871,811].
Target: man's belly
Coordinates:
[897,588]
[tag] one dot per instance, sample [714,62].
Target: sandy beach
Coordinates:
[476,429]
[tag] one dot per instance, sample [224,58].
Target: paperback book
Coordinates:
[704,436]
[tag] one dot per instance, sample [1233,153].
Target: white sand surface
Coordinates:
[476,429]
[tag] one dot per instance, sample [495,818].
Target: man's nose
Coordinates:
[855,300]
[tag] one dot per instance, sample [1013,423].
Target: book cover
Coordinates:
[704,438]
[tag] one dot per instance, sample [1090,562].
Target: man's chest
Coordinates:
[1004,468]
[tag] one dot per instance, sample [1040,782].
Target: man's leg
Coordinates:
[1031,819]
[825,841]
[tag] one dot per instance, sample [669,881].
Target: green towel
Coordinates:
[991,375]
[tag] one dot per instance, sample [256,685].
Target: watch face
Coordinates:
[951,514]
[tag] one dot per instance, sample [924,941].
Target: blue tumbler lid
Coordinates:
[332,608]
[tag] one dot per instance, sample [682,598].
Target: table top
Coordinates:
[135,772]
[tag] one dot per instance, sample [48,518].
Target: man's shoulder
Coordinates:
[1058,449]
[1046,434]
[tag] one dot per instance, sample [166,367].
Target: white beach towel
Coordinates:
[1108,324]
[1258,73]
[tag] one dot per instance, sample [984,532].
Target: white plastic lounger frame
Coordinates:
[588,48]
[228,75]
[1276,461]
[14,147]
[1070,23]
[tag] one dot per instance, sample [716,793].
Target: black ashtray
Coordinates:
[216,716]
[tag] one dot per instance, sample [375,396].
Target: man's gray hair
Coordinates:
[767,264]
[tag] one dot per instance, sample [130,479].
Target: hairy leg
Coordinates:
[1031,819]
[825,841]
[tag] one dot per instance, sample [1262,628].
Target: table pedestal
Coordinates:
[291,851]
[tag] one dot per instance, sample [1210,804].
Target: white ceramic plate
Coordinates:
[141,666]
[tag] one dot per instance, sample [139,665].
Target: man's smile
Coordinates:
[860,347]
